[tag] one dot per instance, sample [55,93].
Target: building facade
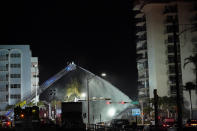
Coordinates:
[155,22]
[34,76]
[15,74]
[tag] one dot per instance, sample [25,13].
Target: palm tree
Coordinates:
[190,86]
[165,104]
[192,59]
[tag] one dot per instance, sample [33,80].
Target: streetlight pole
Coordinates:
[178,95]
[36,66]
[88,101]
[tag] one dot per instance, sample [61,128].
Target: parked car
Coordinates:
[5,122]
[46,122]
[168,122]
[119,123]
[191,123]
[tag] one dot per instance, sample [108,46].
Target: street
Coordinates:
[139,128]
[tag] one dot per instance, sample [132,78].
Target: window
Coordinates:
[15,96]
[172,79]
[6,97]
[15,65]
[170,28]
[4,68]
[15,76]
[4,57]
[6,87]
[172,69]
[15,55]
[171,18]
[35,75]
[170,49]
[173,89]
[170,9]
[15,86]
[170,59]
[171,39]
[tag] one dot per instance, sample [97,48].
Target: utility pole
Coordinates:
[88,102]
[178,96]
[156,107]
[36,71]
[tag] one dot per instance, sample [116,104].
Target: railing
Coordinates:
[3,68]
[3,58]
[143,37]
[3,79]
[3,89]
[142,48]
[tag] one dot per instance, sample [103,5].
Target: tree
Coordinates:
[190,86]
[192,59]
[165,104]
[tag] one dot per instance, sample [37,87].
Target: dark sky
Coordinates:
[96,34]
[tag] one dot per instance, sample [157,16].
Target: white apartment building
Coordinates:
[155,47]
[15,74]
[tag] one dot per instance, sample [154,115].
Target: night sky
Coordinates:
[97,35]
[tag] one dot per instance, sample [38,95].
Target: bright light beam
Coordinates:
[111,112]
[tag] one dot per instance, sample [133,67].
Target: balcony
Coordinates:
[139,15]
[170,50]
[172,79]
[143,96]
[143,77]
[137,7]
[173,90]
[170,19]
[3,79]
[140,19]
[170,60]
[4,89]
[140,43]
[141,23]
[170,29]
[171,72]
[141,87]
[169,42]
[3,68]
[141,30]
[4,57]
[142,56]
[141,49]
[142,37]
[3,100]
[171,9]
[143,66]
